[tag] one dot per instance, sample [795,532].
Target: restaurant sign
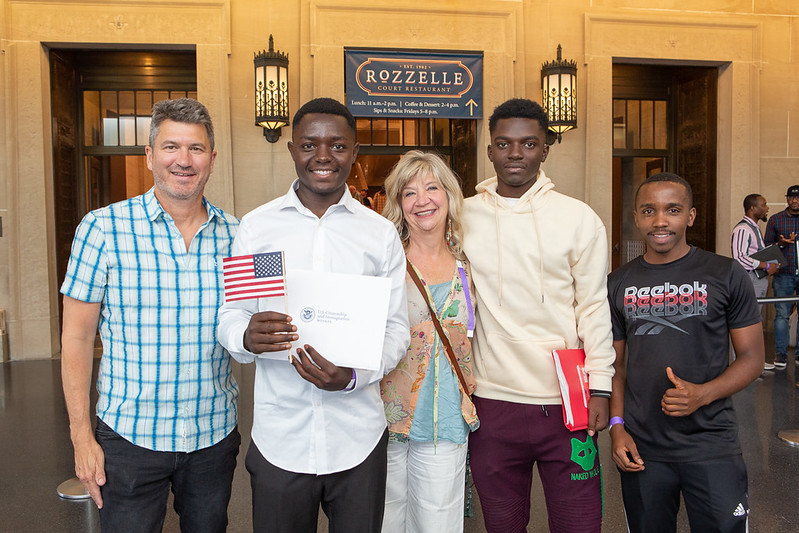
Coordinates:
[407,84]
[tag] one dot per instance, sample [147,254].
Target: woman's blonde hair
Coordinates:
[415,163]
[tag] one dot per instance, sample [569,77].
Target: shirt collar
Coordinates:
[213,211]
[291,200]
[153,208]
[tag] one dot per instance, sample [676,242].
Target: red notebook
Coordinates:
[573,381]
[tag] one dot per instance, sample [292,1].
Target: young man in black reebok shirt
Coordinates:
[673,426]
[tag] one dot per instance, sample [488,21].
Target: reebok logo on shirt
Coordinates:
[663,306]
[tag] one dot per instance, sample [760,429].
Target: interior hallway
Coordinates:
[36,455]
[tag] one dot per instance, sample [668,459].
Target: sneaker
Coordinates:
[780,361]
[768,366]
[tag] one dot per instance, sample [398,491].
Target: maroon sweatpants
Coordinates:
[512,438]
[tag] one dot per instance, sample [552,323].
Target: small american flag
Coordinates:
[253,276]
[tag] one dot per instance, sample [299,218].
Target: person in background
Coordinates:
[745,240]
[783,228]
[429,411]
[149,270]
[379,201]
[367,200]
[355,194]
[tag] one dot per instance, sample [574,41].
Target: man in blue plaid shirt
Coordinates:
[783,229]
[148,270]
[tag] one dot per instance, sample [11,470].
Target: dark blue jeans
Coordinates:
[138,481]
[783,285]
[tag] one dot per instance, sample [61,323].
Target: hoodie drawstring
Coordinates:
[499,250]
[540,252]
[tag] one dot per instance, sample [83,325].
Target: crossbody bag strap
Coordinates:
[447,346]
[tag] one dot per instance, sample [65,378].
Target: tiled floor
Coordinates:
[36,455]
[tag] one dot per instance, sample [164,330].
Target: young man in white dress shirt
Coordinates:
[319,432]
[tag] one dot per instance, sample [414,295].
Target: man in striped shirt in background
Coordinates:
[148,270]
[746,240]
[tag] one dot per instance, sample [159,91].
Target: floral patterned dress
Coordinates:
[401,388]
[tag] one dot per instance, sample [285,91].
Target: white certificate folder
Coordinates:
[343,316]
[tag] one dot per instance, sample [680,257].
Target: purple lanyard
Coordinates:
[465,284]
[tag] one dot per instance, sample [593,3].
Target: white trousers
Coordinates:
[425,487]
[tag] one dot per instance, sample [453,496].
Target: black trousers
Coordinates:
[287,502]
[715,494]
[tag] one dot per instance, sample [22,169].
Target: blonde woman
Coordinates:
[427,398]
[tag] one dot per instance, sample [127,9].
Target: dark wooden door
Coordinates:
[679,138]
[66,186]
[695,99]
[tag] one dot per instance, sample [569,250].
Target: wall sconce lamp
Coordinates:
[558,88]
[271,91]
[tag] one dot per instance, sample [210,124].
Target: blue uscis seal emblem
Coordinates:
[307,314]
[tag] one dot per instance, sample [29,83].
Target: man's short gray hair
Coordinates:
[185,110]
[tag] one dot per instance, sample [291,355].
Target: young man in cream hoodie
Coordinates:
[539,261]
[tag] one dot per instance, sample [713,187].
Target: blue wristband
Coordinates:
[616,420]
